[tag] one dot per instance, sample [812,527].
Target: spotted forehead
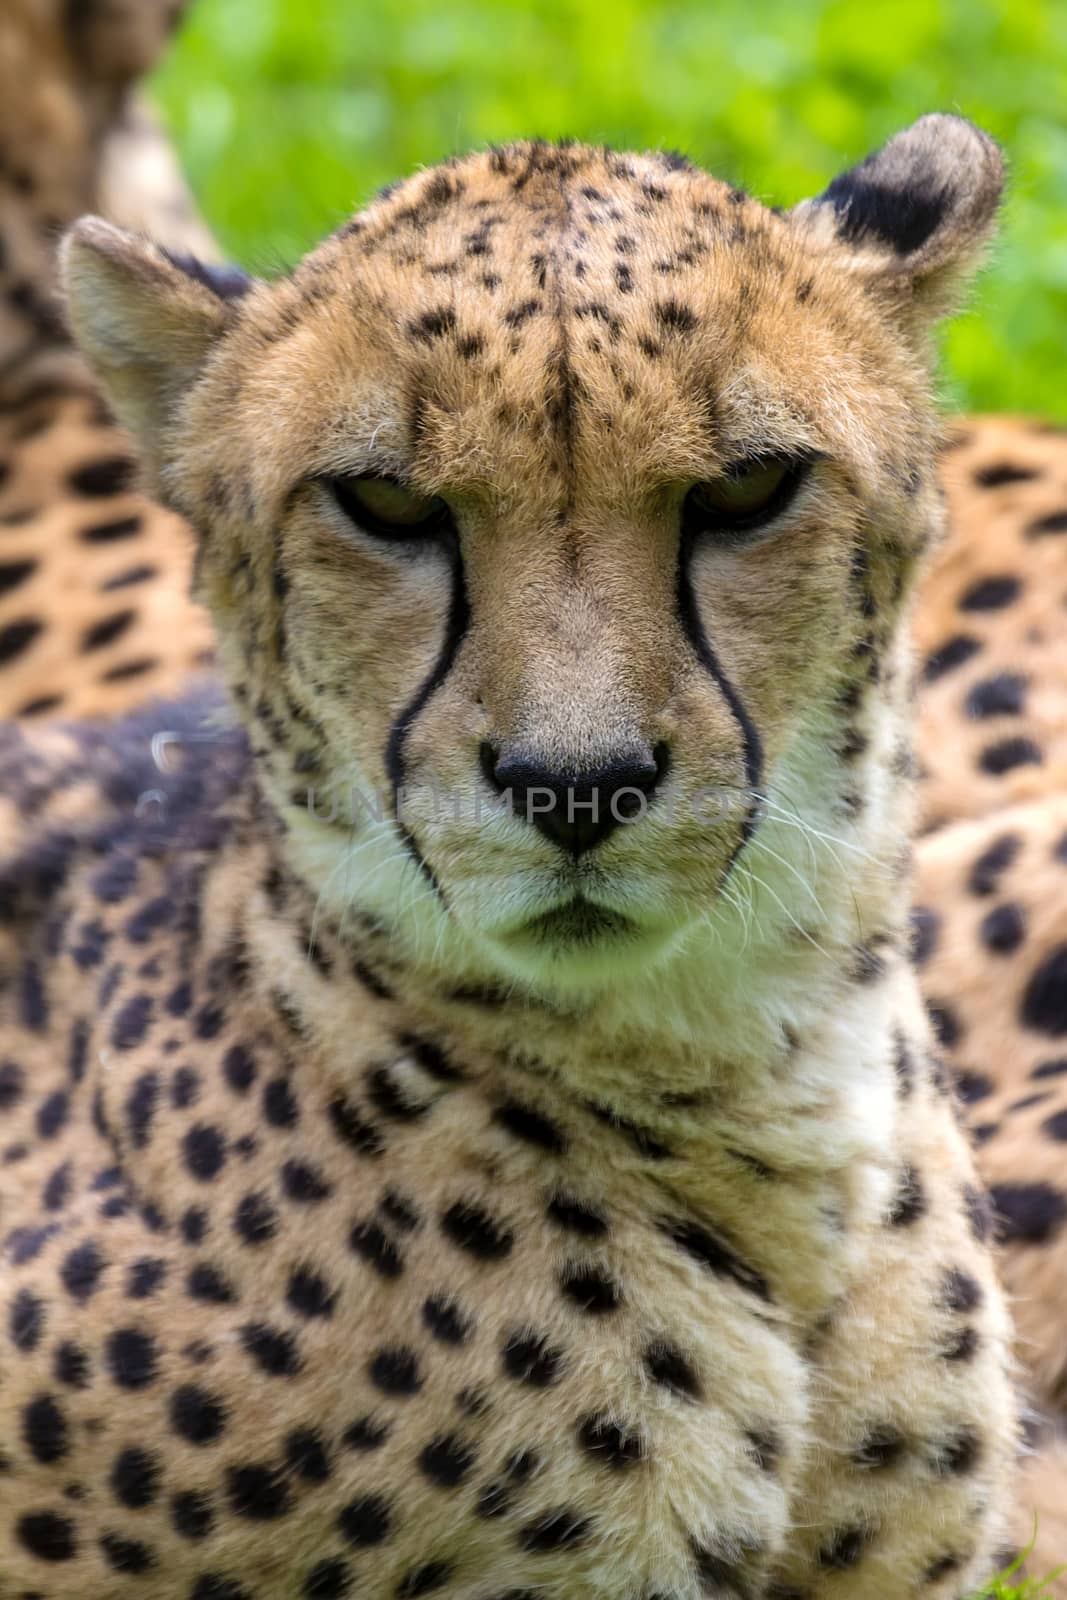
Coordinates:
[550,228]
[579,281]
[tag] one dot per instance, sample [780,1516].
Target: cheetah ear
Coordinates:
[916,216]
[145,319]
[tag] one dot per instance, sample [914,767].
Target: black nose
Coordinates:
[577,810]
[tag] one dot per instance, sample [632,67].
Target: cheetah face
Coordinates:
[559,478]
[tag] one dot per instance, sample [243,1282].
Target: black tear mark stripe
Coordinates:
[456,626]
[689,614]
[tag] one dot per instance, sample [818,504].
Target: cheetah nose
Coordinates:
[577,810]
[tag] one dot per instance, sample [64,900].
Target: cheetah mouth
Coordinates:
[578,922]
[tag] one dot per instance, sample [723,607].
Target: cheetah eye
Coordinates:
[748,496]
[387,510]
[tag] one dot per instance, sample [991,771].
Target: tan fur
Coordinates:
[93,577]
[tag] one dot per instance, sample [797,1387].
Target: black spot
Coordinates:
[1027,1213]
[12,1082]
[366,1433]
[590,1288]
[953,653]
[909,1203]
[109,532]
[959,1454]
[132,1358]
[1044,1002]
[238,1069]
[107,630]
[999,473]
[994,861]
[113,475]
[525,1123]
[1003,929]
[309,1294]
[844,1547]
[16,637]
[666,1365]
[529,1358]
[132,1022]
[279,1105]
[558,1529]
[961,1346]
[675,317]
[255,1219]
[211,1587]
[204,1152]
[328,1580]
[946,1024]
[1007,754]
[1002,696]
[716,1256]
[303,1182]
[400,1210]
[577,1216]
[432,325]
[47,1536]
[126,1555]
[258,1491]
[424,1579]
[191,1514]
[1050,1069]
[609,1442]
[353,1129]
[273,1349]
[1055,522]
[305,1454]
[990,594]
[135,1477]
[81,1269]
[194,1224]
[1056,1126]
[880,1447]
[44,1430]
[446,1460]
[71,1365]
[475,1230]
[395,1370]
[196,1415]
[446,1320]
[973,1087]
[366,1520]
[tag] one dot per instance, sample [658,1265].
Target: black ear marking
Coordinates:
[225,282]
[925,202]
[902,218]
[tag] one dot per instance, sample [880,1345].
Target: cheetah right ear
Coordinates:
[913,219]
[146,321]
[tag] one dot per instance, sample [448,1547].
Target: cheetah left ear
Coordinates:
[146,320]
[916,216]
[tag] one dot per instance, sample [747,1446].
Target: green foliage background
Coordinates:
[290,113]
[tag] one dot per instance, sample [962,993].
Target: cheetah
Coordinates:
[990,935]
[92,575]
[471,1126]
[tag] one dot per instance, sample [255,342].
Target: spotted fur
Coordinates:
[93,577]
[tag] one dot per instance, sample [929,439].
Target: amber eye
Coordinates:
[385,508]
[747,497]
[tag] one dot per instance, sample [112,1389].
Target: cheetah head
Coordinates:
[556,514]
